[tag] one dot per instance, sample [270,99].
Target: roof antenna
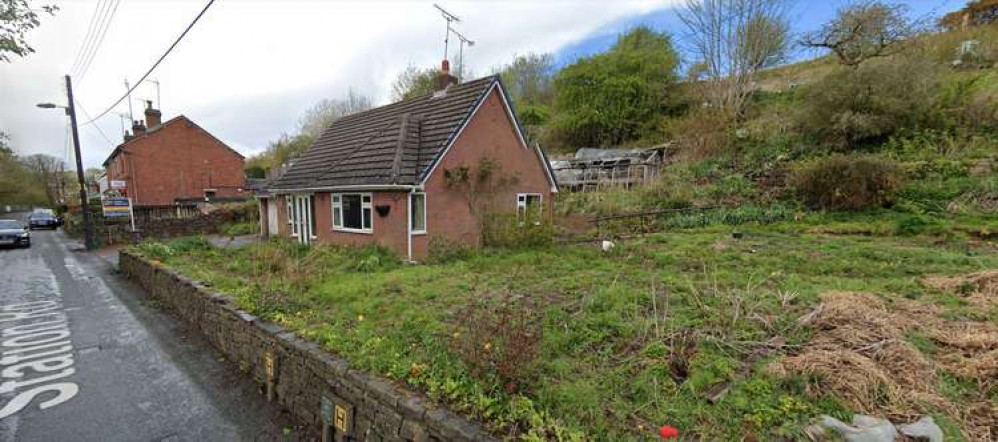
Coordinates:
[159,105]
[450,18]
[128,91]
[460,54]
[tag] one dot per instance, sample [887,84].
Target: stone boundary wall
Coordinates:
[318,388]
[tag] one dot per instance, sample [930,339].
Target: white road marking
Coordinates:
[35,343]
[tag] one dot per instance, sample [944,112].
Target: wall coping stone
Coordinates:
[382,409]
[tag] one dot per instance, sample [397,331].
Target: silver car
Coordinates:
[13,233]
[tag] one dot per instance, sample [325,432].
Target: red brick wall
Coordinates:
[179,160]
[490,134]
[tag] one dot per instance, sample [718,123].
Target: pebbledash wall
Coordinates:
[320,389]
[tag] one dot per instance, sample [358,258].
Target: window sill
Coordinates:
[361,231]
[418,232]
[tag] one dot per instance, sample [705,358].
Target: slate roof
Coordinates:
[395,144]
[152,130]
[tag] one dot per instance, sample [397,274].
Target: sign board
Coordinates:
[117,207]
[118,184]
[268,366]
[341,420]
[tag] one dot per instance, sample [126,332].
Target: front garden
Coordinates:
[717,334]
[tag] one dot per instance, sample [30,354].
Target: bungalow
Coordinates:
[393,175]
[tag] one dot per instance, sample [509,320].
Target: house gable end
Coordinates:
[496,90]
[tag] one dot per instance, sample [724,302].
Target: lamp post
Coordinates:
[88,228]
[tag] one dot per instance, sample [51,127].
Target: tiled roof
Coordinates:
[389,145]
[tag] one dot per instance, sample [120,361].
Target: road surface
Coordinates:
[84,356]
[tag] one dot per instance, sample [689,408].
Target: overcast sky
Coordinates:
[249,68]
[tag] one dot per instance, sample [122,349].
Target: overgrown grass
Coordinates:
[629,340]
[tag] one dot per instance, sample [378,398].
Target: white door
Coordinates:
[272,220]
[303,219]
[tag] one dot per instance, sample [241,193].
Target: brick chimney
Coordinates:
[445,79]
[138,128]
[153,116]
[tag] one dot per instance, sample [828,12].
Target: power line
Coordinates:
[100,41]
[87,114]
[170,49]
[88,36]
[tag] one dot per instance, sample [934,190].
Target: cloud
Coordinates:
[249,68]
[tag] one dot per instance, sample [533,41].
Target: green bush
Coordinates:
[850,108]
[443,250]
[514,232]
[916,225]
[236,229]
[848,183]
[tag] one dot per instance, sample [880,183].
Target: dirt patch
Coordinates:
[861,353]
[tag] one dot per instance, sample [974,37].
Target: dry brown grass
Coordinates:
[860,354]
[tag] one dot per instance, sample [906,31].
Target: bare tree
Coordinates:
[863,30]
[734,40]
[318,117]
[49,171]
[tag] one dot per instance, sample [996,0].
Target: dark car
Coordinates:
[42,220]
[13,233]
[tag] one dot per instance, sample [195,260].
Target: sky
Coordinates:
[249,69]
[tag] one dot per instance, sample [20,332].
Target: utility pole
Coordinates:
[88,227]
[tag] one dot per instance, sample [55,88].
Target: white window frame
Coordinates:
[412,227]
[521,206]
[521,202]
[336,202]
[289,202]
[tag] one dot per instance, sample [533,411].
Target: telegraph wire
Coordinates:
[100,41]
[170,49]
[88,38]
[101,131]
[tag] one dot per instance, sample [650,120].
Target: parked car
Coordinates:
[13,233]
[43,220]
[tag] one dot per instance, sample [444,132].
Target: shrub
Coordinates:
[916,224]
[848,183]
[513,231]
[500,336]
[853,107]
[443,250]
[236,229]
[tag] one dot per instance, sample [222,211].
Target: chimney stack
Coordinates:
[445,79]
[138,128]
[153,116]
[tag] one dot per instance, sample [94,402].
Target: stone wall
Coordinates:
[320,389]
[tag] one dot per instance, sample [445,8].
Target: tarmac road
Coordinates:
[85,357]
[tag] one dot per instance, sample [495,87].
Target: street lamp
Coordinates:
[88,228]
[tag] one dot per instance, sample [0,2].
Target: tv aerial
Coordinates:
[460,54]
[451,18]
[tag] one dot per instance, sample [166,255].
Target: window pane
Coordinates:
[351,212]
[418,212]
[311,212]
[367,217]
[337,222]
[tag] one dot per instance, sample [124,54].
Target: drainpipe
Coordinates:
[408,224]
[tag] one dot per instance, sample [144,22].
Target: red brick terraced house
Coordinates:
[173,162]
[386,175]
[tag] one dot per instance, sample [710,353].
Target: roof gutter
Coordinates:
[339,188]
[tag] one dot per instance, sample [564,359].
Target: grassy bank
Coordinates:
[569,342]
